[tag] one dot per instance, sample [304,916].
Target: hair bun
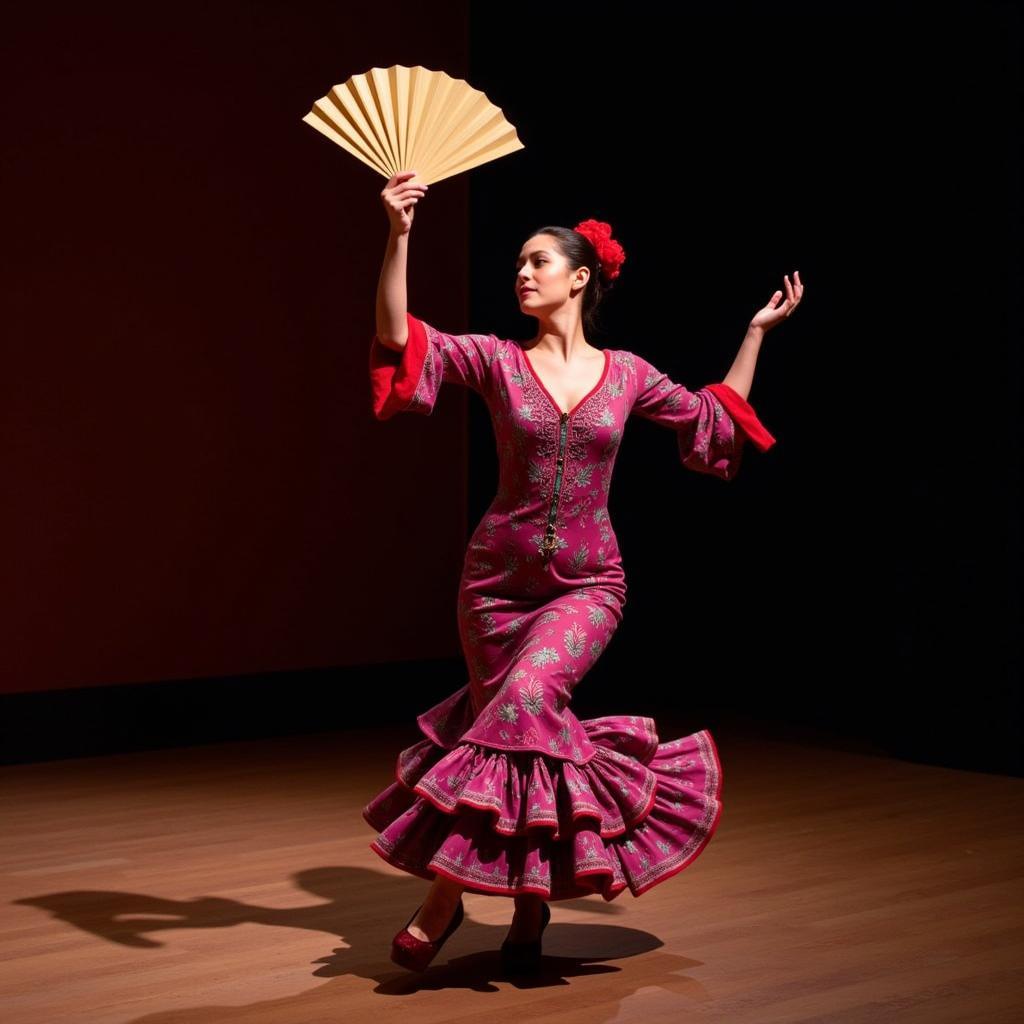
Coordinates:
[609,252]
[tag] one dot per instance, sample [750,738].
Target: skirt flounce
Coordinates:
[634,813]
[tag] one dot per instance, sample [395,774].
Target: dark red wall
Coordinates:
[194,483]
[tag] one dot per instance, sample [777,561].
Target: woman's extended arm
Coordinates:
[392,302]
[741,374]
[399,198]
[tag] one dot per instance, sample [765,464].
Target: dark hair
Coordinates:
[579,251]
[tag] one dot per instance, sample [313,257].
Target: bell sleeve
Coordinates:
[711,424]
[410,380]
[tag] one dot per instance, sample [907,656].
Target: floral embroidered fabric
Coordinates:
[508,791]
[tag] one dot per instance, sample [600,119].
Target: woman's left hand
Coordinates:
[772,314]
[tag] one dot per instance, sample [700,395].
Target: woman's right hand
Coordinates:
[399,197]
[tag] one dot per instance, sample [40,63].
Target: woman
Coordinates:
[508,792]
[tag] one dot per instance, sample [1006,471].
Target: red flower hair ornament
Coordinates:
[610,254]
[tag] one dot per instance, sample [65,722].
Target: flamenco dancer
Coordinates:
[508,792]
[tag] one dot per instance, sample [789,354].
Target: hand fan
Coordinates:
[402,118]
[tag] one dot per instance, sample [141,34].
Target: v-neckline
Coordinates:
[547,394]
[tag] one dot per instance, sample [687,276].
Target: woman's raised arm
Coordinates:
[399,198]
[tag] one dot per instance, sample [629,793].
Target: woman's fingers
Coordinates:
[399,176]
[404,191]
[400,185]
[774,312]
[794,292]
[400,196]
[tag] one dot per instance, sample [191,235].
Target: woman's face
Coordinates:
[544,272]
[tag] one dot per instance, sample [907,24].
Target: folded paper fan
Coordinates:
[414,119]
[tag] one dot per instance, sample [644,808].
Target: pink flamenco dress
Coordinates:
[508,791]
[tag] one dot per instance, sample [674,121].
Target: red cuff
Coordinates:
[743,415]
[394,375]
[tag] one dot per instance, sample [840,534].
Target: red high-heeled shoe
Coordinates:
[416,954]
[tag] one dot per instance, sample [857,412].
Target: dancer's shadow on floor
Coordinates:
[570,951]
[348,907]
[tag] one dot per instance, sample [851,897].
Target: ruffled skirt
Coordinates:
[632,813]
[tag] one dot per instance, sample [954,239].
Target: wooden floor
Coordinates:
[234,883]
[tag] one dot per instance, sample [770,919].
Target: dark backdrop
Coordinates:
[196,486]
[224,516]
[872,557]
